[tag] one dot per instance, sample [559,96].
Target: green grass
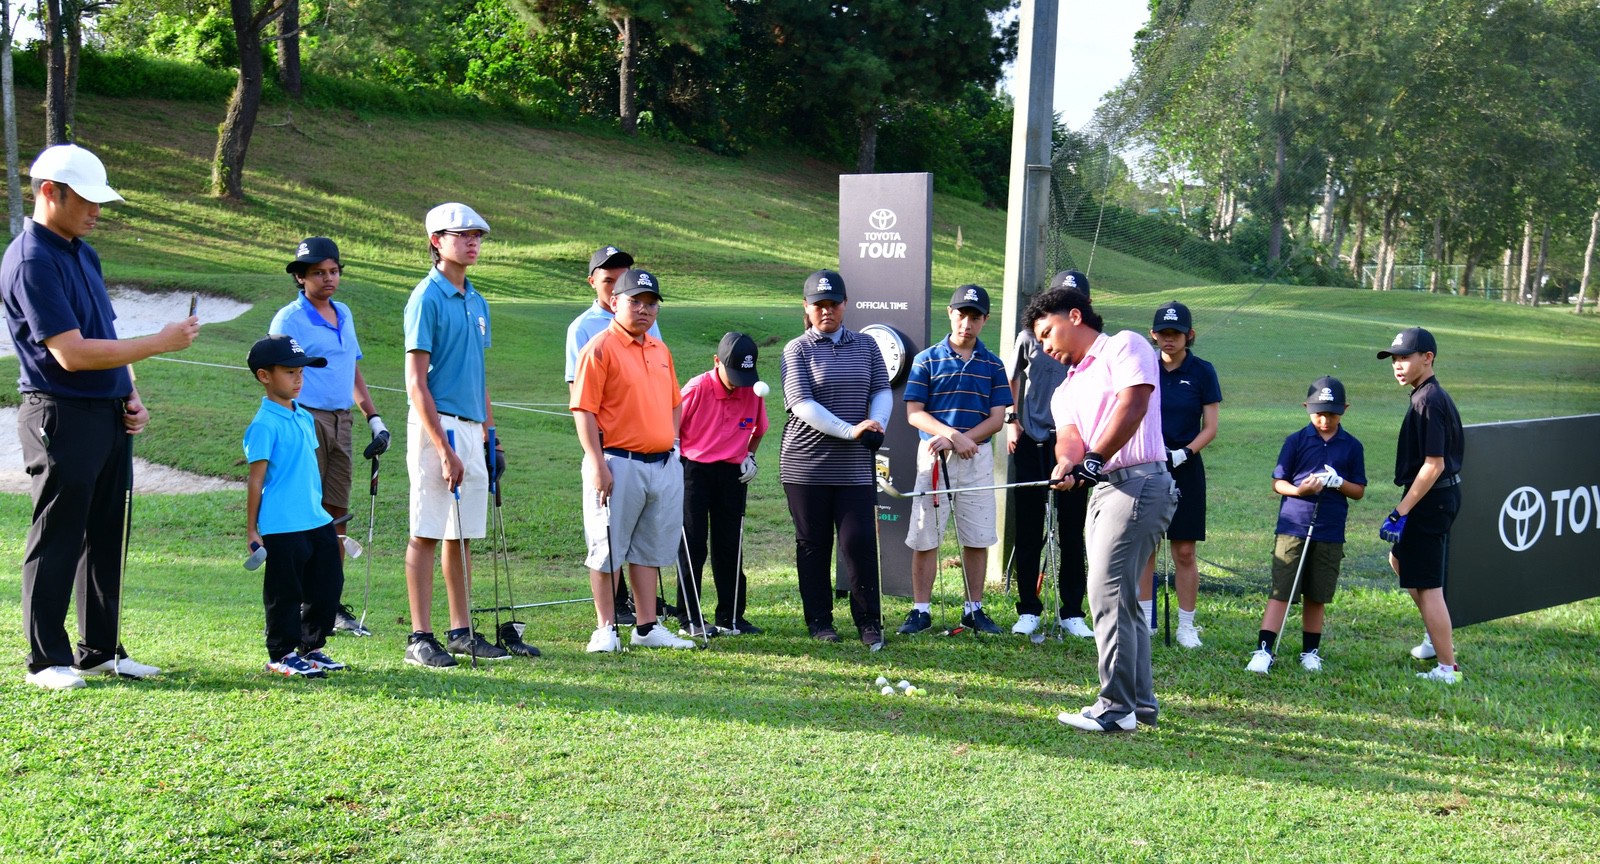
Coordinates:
[768,748]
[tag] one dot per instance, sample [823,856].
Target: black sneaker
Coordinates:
[872,637]
[825,634]
[916,622]
[422,649]
[510,638]
[473,644]
[747,628]
[980,621]
[345,622]
[626,616]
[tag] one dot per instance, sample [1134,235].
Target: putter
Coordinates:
[122,576]
[508,635]
[1050,567]
[1166,596]
[372,517]
[692,581]
[611,558]
[738,570]
[938,573]
[1294,587]
[461,541]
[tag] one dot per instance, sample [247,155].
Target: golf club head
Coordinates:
[1037,638]
[954,631]
[258,556]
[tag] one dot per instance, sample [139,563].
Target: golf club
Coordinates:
[1294,587]
[883,484]
[1166,595]
[508,635]
[738,570]
[461,542]
[1050,573]
[689,587]
[258,552]
[127,537]
[372,521]
[611,561]
[938,573]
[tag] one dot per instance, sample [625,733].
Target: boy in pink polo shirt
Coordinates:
[723,421]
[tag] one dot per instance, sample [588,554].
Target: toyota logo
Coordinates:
[882,219]
[1518,513]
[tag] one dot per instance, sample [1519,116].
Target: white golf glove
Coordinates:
[747,471]
[1330,477]
[1177,457]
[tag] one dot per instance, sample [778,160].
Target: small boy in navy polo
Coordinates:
[284,515]
[1320,470]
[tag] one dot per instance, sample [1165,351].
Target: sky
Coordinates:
[1094,51]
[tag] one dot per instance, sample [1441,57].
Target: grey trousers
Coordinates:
[1125,522]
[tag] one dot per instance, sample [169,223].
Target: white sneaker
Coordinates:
[659,637]
[1127,723]
[1260,661]
[55,678]
[127,667]
[1425,650]
[352,547]
[1025,625]
[1441,674]
[1189,636]
[604,640]
[1077,627]
[1311,661]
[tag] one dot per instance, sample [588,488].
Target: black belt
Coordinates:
[1447,482]
[456,417]
[637,457]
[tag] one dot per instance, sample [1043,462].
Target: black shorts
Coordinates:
[1420,554]
[1189,522]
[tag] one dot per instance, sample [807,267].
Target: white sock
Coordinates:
[922,607]
[1148,609]
[972,606]
[1185,619]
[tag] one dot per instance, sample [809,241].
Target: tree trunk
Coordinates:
[1467,270]
[627,101]
[1341,226]
[1330,200]
[55,75]
[1359,250]
[1388,237]
[8,94]
[1583,283]
[1277,203]
[1505,276]
[1527,258]
[1437,251]
[289,49]
[233,137]
[1538,273]
[867,148]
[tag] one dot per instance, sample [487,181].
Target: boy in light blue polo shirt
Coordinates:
[284,515]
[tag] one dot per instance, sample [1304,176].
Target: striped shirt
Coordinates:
[958,392]
[841,376]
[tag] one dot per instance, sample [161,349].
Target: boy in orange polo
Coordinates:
[627,407]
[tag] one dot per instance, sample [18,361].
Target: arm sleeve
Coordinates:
[821,419]
[882,407]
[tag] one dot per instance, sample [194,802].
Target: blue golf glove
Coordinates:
[1392,527]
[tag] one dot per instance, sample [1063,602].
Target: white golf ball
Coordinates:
[903,684]
[887,691]
[762,389]
[882,681]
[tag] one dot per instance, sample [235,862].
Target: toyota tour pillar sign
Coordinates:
[886,259]
[1528,534]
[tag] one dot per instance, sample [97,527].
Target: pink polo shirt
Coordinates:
[1086,400]
[717,422]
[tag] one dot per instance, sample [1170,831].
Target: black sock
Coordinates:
[644,629]
[1267,640]
[457,633]
[1312,641]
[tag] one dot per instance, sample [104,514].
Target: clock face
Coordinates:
[891,346]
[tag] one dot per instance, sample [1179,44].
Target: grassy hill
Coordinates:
[766,748]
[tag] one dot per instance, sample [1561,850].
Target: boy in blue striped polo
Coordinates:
[956,396]
[283,514]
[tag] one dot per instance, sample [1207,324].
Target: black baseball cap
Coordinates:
[1172,316]
[313,250]
[1412,340]
[738,355]
[281,351]
[824,285]
[608,257]
[970,297]
[635,282]
[1325,396]
[1072,280]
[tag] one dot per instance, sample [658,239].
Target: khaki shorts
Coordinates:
[975,511]
[1321,575]
[333,455]
[433,505]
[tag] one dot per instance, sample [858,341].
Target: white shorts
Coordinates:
[433,505]
[645,515]
[975,511]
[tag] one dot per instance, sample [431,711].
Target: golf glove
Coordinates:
[872,439]
[1178,457]
[1392,527]
[747,471]
[380,438]
[495,461]
[1091,470]
[1330,477]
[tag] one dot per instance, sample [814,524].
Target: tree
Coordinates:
[55,87]
[233,136]
[289,48]
[8,95]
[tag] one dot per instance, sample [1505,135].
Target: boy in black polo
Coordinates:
[1427,463]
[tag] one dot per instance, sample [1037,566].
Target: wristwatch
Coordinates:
[1011,417]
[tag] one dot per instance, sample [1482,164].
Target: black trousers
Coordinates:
[819,512]
[78,454]
[713,502]
[302,567]
[1034,460]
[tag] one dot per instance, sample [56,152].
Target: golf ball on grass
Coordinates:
[882,681]
[903,684]
[887,691]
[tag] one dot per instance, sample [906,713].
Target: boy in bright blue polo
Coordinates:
[283,513]
[1320,470]
[956,396]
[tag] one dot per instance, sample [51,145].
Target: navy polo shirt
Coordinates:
[959,393]
[53,285]
[1184,391]
[1432,427]
[1305,453]
[453,327]
[291,496]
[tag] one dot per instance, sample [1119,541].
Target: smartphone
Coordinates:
[194,303]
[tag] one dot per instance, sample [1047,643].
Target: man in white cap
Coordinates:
[79,406]
[447,331]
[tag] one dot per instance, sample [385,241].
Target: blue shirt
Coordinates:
[1184,392]
[1304,453]
[332,387]
[453,327]
[291,497]
[52,285]
[958,393]
[590,323]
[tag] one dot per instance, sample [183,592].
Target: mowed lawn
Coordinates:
[768,748]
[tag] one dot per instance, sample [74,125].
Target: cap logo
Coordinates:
[882,219]
[749,362]
[1072,281]
[972,294]
[294,346]
[1326,395]
[303,250]
[644,279]
[1171,315]
[611,250]
[1398,339]
[823,285]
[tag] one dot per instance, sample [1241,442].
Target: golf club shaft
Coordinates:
[513,608]
[892,492]
[461,543]
[372,521]
[1294,587]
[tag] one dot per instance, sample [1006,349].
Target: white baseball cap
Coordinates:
[76,167]
[455,217]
